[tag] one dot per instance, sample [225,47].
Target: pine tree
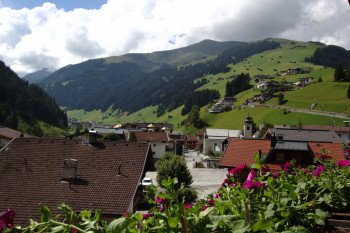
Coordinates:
[339,74]
[349,92]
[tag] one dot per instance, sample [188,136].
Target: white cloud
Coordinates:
[31,39]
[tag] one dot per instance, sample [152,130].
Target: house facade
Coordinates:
[158,141]
[215,140]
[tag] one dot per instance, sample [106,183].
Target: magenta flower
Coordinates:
[223,184]
[237,170]
[6,219]
[159,200]
[286,167]
[211,202]
[347,153]
[217,195]
[344,163]
[187,206]
[318,171]
[147,215]
[275,174]
[205,207]
[233,184]
[252,185]
[251,175]
[264,170]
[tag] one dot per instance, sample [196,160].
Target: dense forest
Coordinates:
[331,56]
[238,84]
[126,86]
[27,102]
[200,99]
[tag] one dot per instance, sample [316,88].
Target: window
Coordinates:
[154,144]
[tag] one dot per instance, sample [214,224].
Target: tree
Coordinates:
[349,92]
[281,99]
[132,137]
[172,165]
[320,80]
[193,118]
[339,74]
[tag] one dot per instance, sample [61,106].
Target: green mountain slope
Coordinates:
[38,76]
[328,95]
[23,106]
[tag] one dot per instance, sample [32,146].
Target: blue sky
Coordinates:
[68,5]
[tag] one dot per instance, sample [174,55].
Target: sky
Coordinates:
[37,34]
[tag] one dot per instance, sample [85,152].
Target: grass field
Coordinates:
[328,95]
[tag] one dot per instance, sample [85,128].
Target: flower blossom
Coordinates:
[286,167]
[159,200]
[344,163]
[217,195]
[275,174]
[318,171]
[147,215]
[211,202]
[187,206]
[249,184]
[6,219]
[264,170]
[237,170]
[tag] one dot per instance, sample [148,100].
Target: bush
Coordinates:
[173,166]
[189,195]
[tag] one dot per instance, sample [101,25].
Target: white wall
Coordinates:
[158,149]
[209,145]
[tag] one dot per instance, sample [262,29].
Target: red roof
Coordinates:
[241,151]
[31,173]
[333,150]
[151,136]
[191,138]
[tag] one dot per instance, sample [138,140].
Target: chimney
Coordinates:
[70,169]
[273,140]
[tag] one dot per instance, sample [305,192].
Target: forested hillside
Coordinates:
[331,56]
[23,103]
[98,84]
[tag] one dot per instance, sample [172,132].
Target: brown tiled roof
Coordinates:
[328,127]
[151,136]
[99,185]
[11,133]
[200,133]
[333,150]
[241,151]
[191,138]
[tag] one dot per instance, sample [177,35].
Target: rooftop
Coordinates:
[31,173]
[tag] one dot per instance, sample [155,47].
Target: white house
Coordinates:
[215,139]
[158,140]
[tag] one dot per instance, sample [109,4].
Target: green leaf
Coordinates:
[45,213]
[320,213]
[285,214]
[118,225]
[263,225]
[319,221]
[57,229]
[205,212]
[172,222]
[85,214]
[269,213]
[138,216]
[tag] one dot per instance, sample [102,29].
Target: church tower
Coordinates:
[248,127]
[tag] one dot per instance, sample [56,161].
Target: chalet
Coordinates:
[151,126]
[293,71]
[276,152]
[222,105]
[103,176]
[7,134]
[102,131]
[342,131]
[305,135]
[158,140]
[215,140]
[262,97]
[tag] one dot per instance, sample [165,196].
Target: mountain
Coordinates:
[37,76]
[331,56]
[22,105]
[134,81]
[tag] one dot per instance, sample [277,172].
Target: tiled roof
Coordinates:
[99,186]
[191,138]
[334,150]
[241,151]
[306,135]
[151,136]
[11,133]
[328,127]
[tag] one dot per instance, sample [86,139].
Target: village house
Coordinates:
[222,105]
[215,140]
[275,152]
[101,131]
[293,71]
[7,134]
[342,131]
[158,140]
[94,176]
[305,135]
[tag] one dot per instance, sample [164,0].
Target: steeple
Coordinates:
[248,127]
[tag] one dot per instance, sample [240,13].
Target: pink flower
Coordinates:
[286,167]
[187,206]
[217,195]
[147,215]
[233,184]
[223,184]
[264,170]
[159,200]
[252,185]
[251,175]
[347,153]
[237,170]
[6,219]
[205,207]
[275,174]
[211,202]
[344,163]
[318,171]
[74,230]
